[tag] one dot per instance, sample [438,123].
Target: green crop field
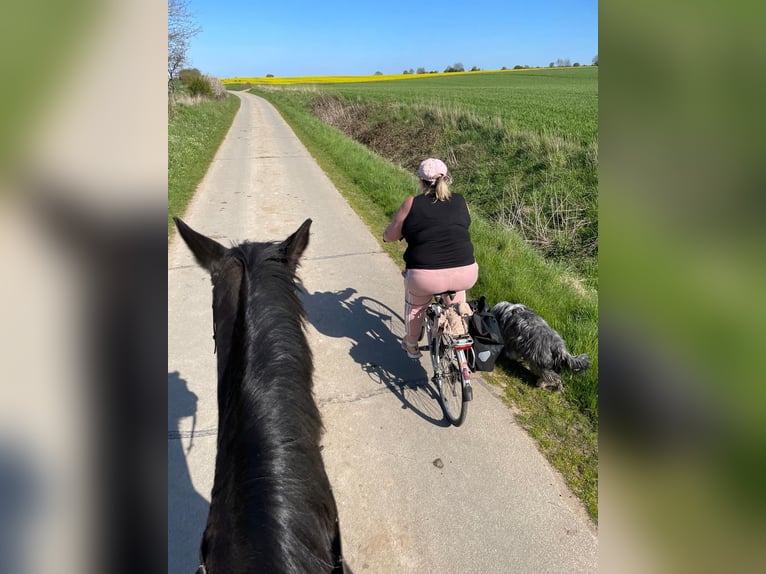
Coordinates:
[561,102]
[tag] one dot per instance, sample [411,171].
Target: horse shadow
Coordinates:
[21,506]
[187,508]
[375,331]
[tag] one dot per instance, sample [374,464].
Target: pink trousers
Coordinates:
[421,284]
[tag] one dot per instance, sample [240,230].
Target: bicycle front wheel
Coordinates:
[451,389]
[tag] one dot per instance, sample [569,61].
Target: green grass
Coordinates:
[238,87]
[194,134]
[565,425]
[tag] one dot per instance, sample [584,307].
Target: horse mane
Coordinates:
[272,507]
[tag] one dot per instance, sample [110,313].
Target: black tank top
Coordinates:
[437,233]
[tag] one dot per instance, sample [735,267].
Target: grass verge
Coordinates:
[195,133]
[565,425]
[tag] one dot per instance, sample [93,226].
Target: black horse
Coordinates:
[272,508]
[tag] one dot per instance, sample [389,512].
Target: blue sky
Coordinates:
[298,38]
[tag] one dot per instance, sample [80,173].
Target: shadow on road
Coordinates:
[375,331]
[20,506]
[187,508]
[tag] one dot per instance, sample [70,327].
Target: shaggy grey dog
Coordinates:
[528,337]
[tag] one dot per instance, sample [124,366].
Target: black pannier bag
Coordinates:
[487,338]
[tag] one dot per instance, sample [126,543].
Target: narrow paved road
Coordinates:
[414,494]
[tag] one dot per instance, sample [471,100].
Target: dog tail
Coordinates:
[577,363]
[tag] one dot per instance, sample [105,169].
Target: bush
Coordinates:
[187,75]
[199,86]
[175,85]
[207,87]
[217,89]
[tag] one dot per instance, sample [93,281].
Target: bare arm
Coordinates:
[394,231]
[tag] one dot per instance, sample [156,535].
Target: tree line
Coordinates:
[458,67]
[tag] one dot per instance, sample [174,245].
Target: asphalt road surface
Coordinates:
[414,494]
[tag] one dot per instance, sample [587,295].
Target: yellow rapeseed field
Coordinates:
[346,79]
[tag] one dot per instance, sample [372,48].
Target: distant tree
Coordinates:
[518,67]
[476,69]
[576,65]
[421,70]
[405,72]
[458,67]
[526,67]
[503,68]
[181,30]
[563,63]
[269,75]
[378,73]
[410,71]
[595,60]
[551,65]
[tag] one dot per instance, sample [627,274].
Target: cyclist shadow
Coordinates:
[375,331]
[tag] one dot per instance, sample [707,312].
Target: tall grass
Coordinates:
[195,131]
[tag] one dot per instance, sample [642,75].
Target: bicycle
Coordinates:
[449,357]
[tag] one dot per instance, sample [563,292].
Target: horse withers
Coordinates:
[272,508]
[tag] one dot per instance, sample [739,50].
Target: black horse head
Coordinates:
[272,508]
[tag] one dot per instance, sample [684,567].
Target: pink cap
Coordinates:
[431,169]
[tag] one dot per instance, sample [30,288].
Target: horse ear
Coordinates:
[295,245]
[206,251]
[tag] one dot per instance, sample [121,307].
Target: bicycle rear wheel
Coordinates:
[451,388]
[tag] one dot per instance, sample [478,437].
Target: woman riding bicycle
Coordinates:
[439,255]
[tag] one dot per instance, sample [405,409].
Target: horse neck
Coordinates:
[268,443]
[269,365]
[274,342]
